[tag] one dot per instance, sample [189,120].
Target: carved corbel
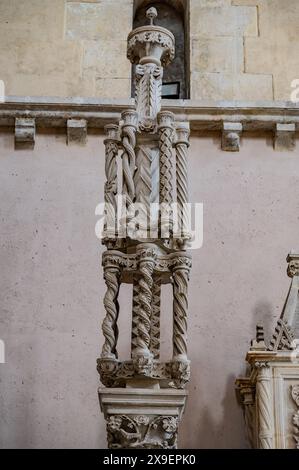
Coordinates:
[76,131]
[112,272]
[231,135]
[180,276]
[128,136]
[24,133]
[142,356]
[284,138]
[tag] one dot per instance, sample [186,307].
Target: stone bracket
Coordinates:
[24,133]
[231,134]
[76,131]
[284,138]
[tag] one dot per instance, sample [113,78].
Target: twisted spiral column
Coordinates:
[135,311]
[165,126]
[264,404]
[130,120]
[111,151]
[155,319]
[147,255]
[110,330]
[180,277]
[143,185]
[181,149]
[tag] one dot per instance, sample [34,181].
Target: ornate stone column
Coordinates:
[144,398]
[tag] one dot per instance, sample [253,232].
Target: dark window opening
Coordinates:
[175,77]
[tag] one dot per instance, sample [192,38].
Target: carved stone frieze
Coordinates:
[142,432]
[114,373]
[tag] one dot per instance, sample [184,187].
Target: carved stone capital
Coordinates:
[284,138]
[180,371]
[137,419]
[293,264]
[182,133]
[76,131]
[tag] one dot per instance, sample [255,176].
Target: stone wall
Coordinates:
[52,288]
[240,49]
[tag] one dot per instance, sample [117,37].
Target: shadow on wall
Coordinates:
[208,433]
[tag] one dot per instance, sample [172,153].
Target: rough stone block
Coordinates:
[98,21]
[76,131]
[106,59]
[224,21]
[113,88]
[56,57]
[284,138]
[24,133]
[32,20]
[223,55]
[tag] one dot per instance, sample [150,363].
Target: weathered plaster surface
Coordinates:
[52,292]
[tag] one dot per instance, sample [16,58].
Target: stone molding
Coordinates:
[257,117]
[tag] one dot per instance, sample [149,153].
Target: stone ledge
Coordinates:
[256,116]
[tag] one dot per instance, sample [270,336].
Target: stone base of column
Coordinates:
[139,418]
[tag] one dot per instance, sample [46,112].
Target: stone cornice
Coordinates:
[77,115]
[202,115]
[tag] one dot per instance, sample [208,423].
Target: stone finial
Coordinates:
[259,342]
[151,14]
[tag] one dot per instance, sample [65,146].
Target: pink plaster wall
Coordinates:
[52,288]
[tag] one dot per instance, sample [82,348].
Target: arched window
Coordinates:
[172,15]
